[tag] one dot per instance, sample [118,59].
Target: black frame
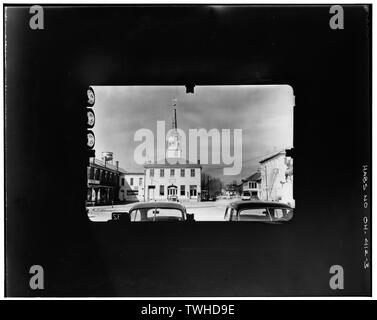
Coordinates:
[51,69]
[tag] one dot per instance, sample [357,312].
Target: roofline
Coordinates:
[158,204]
[282,152]
[250,179]
[175,165]
[247,180]
[134,173]
[241,204]
[95,165]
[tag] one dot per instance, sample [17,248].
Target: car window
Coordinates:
[258,214]
[135,215]
[281,213]
[277,213]
[156,214]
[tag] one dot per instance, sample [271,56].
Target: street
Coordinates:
[203,211]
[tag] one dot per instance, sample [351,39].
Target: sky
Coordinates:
[264,113]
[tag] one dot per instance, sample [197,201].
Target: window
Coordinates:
[183,191]
[182,172]
[132,181]
[162,190]
[156,214]
[277,213]
[252,185]
[151,173]
[259,214]
[192,172]
[281,213]
[162,173]
[172,171]
[193,189]
[140,181]
[122,182]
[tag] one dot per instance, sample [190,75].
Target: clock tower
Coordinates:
[174,139]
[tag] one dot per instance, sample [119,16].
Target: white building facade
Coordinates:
[252,185]
[277,178]
[172,181]
[132,186]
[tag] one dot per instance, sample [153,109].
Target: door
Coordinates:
[193,190]
[150,193]
[172,191]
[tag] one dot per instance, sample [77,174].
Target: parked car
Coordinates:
[173,198]
[212,198]
[261,211]
[154,212]
[246,195]
[204,197]
[207,197]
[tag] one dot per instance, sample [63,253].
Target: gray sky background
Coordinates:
[264,113]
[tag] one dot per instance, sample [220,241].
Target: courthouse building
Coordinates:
[173,177]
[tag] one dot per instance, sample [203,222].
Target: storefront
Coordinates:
[103,183]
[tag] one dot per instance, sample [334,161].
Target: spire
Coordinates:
[174,124]
[174,139]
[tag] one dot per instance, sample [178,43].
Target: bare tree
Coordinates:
[212,185]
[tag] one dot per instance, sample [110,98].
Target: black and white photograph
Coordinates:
[187,151]
[160,144]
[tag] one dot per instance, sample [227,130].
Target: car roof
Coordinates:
[251,204]
[166,205]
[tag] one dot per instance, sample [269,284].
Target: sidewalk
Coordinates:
[115,206]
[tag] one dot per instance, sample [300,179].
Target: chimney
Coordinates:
[117,165]
[198,161]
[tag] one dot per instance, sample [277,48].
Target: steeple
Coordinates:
[174,124]
[174,139]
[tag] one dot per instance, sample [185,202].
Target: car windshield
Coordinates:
[156,214]
[247,194]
